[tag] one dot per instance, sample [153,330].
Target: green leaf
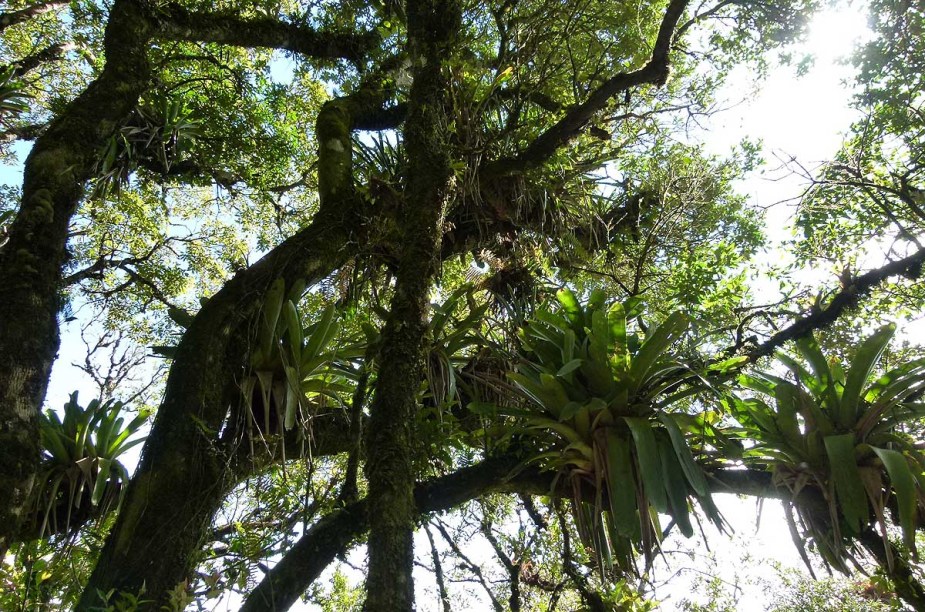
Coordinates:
[728,365]
[272,306]
[822,382]
[569,367]
[102,478]
[861,366]
[599,337]
[293,392]
[534,391]
[293,328]
[787,398]
[322,333]
[621,485]
[556,395]
[568,349]
[903,484]
[675,487]
[848,486]
[562,429]
[654,348]
[570,305]
[692,471]
[650,466]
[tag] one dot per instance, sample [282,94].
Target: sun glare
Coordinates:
[834,33]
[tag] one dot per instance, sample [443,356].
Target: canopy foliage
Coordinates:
[460,269]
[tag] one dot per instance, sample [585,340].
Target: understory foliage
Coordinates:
[444,304]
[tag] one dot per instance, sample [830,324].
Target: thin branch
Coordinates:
[438,571]
[470,565]
[22,132]
[846,298]
[513,567]
[51,53]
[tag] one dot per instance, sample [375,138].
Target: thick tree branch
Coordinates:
[655,72]
[185,467]
[12,18]
[331,535]
[177,23]
[50,53]
[31,261]
[334,533]
[186,470]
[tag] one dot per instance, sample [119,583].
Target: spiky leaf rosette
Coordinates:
[598,400]
[840,435]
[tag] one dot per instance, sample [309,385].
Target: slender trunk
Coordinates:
[432,26]
[61,161]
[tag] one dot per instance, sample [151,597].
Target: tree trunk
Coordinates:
[185,473]
[61,161]
[331,535]
[432,26]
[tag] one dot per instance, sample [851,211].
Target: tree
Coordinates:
[594,336]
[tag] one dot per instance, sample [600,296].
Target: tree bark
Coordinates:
[432,26]
[186,469]
[12,18]
[61,161]
[177,23]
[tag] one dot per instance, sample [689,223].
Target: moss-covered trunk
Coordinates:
[185,471]
[185,474]
[432,26]
[61,161]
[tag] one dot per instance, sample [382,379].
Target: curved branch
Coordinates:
[331,535]
[190,460]
[334,533]
[655,72]
[51,53]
